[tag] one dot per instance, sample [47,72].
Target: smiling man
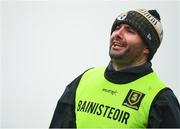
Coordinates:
[127,48]
[139,100]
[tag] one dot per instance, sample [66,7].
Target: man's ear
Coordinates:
[146,51]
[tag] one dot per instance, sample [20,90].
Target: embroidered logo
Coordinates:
[122,16]
[112,92]
[133,99]
[149,36]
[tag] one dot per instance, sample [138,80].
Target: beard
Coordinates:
[126,52]
[119,55]
[125,56]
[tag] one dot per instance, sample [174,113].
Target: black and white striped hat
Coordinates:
[146,23]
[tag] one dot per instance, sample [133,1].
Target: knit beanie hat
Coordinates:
[146,23]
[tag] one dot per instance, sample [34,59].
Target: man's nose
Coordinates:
[120,32]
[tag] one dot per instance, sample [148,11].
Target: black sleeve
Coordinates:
[165,111]
[64,114]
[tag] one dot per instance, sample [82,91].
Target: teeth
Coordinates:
[118,43]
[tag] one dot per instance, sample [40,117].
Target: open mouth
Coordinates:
[118,45]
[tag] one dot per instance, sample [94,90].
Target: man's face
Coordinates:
[126,44]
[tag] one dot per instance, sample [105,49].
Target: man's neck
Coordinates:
[127,75]
[118,65]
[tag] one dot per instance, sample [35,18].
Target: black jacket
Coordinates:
[164,111]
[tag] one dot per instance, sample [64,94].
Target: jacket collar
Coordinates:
[127,75]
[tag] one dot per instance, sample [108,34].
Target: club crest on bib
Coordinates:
[133,99]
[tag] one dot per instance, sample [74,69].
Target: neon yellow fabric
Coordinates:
[102,104]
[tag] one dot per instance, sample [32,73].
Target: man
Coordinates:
[128,93]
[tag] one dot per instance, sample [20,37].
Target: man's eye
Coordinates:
[131,30]
[117,28]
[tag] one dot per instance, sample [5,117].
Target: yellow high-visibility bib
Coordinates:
[100,103]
